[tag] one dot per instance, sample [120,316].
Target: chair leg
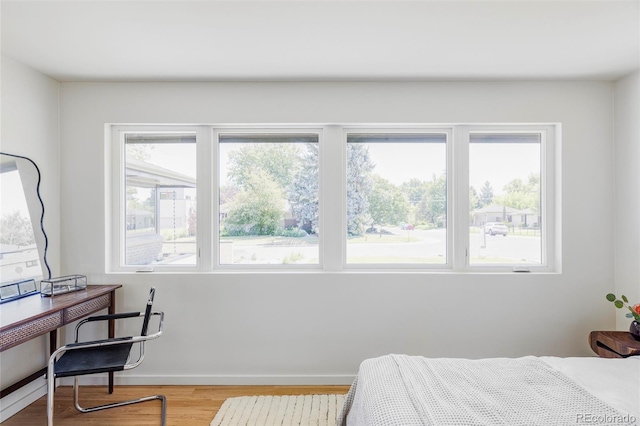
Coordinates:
[76,388]
[51,382]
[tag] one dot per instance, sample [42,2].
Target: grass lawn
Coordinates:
[384,239]
[522,232]
[381,260]
[268,240]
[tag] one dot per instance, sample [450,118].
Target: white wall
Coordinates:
[30,127]
[627,191]
[318,327]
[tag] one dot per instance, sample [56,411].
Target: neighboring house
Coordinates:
[527,218]
[139,219]
[172,205]
[499,213]
[19,262]
[170,210]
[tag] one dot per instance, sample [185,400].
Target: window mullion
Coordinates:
[460,174]
[333,187]
[206,183]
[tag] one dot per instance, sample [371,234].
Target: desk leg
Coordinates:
[53,345]
[112,332]
[53,342]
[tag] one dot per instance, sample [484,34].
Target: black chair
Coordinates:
[102,356]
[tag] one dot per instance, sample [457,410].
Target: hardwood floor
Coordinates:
[186,405]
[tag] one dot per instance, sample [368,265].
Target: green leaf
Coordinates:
[611,297]
[618,304]
[624,299]
[629,315]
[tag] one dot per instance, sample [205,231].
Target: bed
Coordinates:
[409,390]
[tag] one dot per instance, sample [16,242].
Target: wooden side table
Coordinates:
[614,344]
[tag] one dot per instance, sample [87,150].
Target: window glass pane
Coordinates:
[504,199]
[396,198]
[160,205]
[269,199]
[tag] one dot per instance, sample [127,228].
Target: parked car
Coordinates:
[496,228]
[406,226]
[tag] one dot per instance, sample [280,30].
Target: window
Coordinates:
[160,199]
[458,198]
[268,198]
[397,198]
[505,198]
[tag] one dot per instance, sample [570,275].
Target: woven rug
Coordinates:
[316,410]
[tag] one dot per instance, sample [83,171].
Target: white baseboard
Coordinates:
[129,379]
[23,397]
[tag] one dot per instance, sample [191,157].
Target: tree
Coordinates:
[359,186]
[486,194]
[227,193]
[139,151]
[433,205]
[414,189]
[16,230]
[303,193]
[387,204]
[521,195]
[132,198]
[281,161]
[474,201]
[258,209]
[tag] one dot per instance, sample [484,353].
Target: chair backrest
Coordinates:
[147,312]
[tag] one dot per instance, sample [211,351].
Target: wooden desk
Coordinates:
[33,316]
[614,344]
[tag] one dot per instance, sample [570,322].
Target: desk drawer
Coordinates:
[83,309]
[22,333]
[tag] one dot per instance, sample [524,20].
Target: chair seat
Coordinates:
[101,359]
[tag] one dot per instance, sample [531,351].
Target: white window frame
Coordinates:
[249,129]
[116,179]
[332,149]
[548,208]
[448,132]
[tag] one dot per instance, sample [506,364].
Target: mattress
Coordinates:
[405,391]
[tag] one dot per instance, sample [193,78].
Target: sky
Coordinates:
[178,157]
[496,163]
[500,163]
[399,162]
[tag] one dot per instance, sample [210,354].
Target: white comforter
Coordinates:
[406,391]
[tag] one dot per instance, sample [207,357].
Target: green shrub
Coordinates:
[292,232]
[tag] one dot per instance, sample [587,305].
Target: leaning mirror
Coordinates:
[23,241]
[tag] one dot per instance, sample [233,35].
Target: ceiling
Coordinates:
[307,40]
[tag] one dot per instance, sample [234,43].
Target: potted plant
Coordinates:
[634,312]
